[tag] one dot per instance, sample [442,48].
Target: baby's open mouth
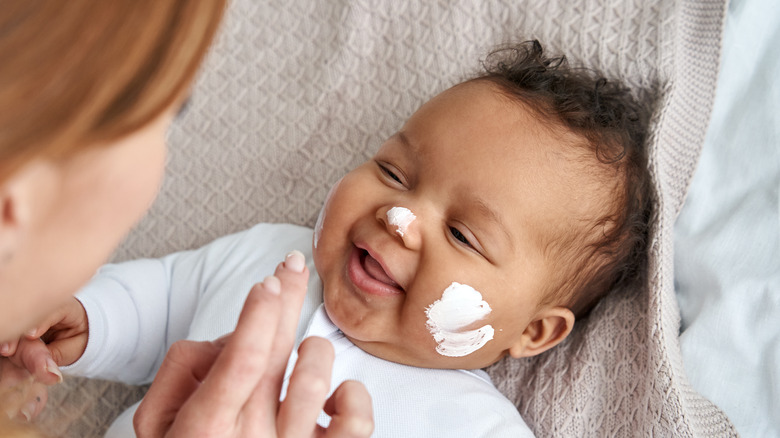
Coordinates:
[375,270]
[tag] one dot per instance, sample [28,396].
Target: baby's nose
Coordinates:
[400,218]
[400,221]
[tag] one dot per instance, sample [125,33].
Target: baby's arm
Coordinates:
[138,309]
[114,330]
[127,307]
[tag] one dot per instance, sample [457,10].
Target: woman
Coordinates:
[87,91]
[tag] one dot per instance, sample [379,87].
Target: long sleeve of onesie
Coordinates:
[138,309]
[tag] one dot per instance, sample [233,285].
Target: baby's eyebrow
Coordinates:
[491,215]
[404,140]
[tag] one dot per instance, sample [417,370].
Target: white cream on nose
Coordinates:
[460,306]
[401,218]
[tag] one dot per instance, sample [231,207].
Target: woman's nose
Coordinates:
[401,222]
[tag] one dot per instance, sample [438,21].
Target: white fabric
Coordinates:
[138,309]
[453,403]
[727,238]
[210,285]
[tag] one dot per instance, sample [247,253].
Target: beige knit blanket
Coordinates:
[296,93]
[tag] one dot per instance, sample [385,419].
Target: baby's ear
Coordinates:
[546,331]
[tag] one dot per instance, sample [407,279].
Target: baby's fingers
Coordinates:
[35,356]
[39,330]
[8,348]
[66,321]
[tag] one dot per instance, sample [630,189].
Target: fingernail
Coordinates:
[5,348]
[272,285]
[295,261]
[52,368]
[27,410]
[31,333]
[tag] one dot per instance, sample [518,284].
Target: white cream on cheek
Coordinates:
[401,218]
[321,218]
[460,306]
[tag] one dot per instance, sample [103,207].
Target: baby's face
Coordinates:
[457,201]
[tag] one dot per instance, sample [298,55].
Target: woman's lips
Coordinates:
[368,275]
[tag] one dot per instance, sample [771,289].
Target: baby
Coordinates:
[501,211]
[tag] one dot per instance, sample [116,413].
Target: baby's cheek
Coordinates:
[319,226]
[456,321]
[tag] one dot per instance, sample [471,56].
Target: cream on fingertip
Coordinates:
[295,261]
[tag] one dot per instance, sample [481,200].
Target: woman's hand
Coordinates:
[231,387]
[21,397]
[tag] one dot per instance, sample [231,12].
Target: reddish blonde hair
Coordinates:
[79,73]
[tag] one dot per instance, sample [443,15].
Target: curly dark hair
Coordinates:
[608,251]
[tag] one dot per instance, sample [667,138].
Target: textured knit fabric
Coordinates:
[137,309]
[295,94]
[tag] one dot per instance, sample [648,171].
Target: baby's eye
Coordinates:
[389,173]
[459,236]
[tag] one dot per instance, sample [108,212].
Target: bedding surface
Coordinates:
[727,238]
[295,94]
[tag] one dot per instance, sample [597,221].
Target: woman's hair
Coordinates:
[591,255]
[80,73]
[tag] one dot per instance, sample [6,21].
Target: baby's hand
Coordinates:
[34,360]
[59,340]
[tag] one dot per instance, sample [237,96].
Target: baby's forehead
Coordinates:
[480,109]
[483,144]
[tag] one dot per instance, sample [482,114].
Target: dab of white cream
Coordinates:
[460,306]
[318,226]
[321,218]
[401,218]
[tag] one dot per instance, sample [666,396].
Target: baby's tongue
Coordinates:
[375,270]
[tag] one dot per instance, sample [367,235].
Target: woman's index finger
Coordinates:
[244,360]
